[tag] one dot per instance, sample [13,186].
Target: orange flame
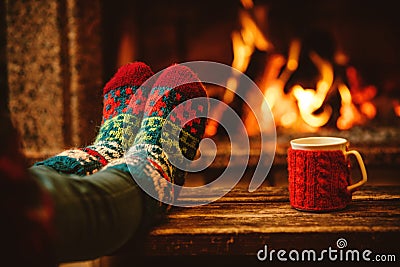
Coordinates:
[301,108]
[349,115]
[310,100]
[244,42]
[396,107]
[248,4]
[285,113]
[362,95]
[293,60]
[311,104]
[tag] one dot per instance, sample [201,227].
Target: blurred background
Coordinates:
[325,68]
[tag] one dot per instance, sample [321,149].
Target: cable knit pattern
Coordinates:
[318,180]
[124,100]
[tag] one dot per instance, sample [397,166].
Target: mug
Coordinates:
[319,173]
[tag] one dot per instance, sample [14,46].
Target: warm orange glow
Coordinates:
[229,95]
[251,33]
[346,120]
[326,71]
[341,58]
[362,95]
[303,109]
[289,119]
[127,43]
[292,65]
[294,53]
[274,93]
[349,114]
[272,70]
[360,92]
[345,94]
[368,109]
[310,104]
[248,4]
[396,106]
[126,51]
[244,42]
[241,52]
[282,105]
[211,128]
[293,60]
[309,101]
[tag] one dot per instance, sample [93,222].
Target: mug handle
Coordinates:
[362,168]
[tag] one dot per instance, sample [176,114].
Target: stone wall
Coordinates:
[54,66]
[3,62]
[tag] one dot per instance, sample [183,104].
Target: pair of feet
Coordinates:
[137,111]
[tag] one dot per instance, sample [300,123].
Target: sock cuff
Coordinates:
[180,77]
[134,74]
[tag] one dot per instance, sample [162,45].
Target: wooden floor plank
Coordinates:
[241,222]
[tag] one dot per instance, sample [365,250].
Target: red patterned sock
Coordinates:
[173,125]
[170,103]
[124,102]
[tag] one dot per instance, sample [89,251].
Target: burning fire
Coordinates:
[244,42]
[312,104]
[396,105]
[349,114]
[310,100]
[305,109]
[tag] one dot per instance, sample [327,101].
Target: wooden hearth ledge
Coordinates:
[234,228]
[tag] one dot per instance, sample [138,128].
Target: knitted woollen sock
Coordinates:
[149,158]
[318,180]
[124,101]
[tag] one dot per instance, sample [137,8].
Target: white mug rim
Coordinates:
[325,141]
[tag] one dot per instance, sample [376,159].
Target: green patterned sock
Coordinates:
[124,102]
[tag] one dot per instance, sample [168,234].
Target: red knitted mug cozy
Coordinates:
[318,179]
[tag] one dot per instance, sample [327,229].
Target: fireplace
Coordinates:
[325,68]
